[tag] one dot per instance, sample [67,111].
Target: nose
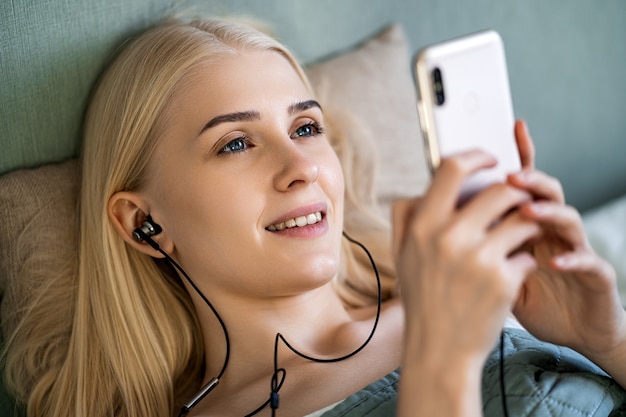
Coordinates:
[296,167]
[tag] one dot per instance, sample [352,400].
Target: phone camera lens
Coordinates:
[440,97]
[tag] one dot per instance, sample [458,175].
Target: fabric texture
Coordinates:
[52,53]
[34,203]
[541,380]
[378,399]
[38,210]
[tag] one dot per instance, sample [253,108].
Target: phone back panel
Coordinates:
[476,112]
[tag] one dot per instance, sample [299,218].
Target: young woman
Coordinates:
[211,252]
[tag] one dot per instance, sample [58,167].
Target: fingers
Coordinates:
[402,211]
[492,204]
[512,233]
[524,144]
[438,208]
[539,184]
[520,265]
[442,196]
[564,221]
[586,262]
[570,249]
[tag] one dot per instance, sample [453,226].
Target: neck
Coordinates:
[311,322]
[316,324]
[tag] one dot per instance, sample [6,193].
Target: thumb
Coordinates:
[402,212]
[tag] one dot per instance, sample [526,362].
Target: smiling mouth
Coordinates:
[300,221]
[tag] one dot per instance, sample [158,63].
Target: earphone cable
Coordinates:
[214,381]
[357,350]
[279,375]
[278,378]
[505,408]
[213,309]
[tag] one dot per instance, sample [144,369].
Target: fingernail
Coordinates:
[539,209]
[522,176]
[562,262]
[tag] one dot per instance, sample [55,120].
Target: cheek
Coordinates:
[222,206]
[197,208]
[333,172]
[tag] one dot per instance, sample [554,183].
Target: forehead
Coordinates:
[244,76]
[263,82]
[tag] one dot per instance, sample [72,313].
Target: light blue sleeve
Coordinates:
[541,380]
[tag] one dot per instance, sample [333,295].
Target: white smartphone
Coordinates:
[465,103]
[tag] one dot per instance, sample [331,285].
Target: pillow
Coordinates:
[373,83]
[606,230]
[38,208]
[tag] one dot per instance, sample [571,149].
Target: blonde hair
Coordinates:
[127,341]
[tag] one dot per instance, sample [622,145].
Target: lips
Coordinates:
[299,221]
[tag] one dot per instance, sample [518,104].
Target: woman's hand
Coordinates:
[572,297]
[459,272]
[458,267]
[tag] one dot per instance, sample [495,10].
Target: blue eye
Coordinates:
[235,145]
[306,130]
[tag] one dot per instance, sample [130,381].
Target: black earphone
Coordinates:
[148,228]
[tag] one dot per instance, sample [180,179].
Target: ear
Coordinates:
[127,211]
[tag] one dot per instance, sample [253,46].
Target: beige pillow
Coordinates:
[37,231]
[374,82]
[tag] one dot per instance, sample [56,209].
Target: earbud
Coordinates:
[148,228]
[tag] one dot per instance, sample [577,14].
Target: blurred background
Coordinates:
[567,61]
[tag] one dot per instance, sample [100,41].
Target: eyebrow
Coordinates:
[240,116]
[246,116]
[301,106]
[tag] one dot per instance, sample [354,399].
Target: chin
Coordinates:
[319,273]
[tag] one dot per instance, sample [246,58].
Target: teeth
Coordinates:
[297,222]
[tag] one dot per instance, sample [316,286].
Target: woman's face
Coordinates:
[247,186]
